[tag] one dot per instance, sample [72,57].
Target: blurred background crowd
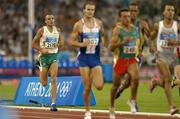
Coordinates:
[14,21]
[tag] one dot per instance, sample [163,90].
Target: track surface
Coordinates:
[44,113]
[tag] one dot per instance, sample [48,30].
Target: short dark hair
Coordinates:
[133,4]
[167,4]
[123,10]
[89,2]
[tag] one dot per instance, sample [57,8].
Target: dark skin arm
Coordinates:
[114,41]
[153,35]
[145,27]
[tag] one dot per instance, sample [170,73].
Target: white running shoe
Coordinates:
[111,114]
[133,106]
[87,115]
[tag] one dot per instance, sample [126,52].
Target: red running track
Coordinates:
[20,113]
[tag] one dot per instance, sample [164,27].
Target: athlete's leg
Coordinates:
[85,74]
[43,74]
[44,69]
[127,76]
[97,77]
[166,77]
[124,85]
[115,85]
[53,72]
[156,81]
[127,81]
[134,73]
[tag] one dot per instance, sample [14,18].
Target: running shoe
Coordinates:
[174,110]
[133,106]
[87,115]
[53,107]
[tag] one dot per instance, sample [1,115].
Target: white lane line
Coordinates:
[96,111]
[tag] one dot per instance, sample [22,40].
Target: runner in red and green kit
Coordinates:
[125,38]
[143,30]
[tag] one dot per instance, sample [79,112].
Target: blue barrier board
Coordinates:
[69,91]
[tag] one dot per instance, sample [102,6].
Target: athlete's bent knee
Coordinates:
[53,81]
[99,87]
[44,83]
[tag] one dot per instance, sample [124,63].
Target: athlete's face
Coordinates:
[89,10]
[49,20]
[134,11]
[169,12]
[125,18]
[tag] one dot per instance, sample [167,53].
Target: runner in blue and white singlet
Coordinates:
[87,35]
[90,55]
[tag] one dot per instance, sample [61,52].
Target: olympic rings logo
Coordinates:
[65,87]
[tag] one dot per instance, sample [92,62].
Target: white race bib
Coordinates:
[129,49]
[90,49]
[50,44]
[164,43]
[164,39]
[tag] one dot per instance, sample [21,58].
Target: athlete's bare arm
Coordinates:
[153,35]
[114,42]
[103,35]
[146,28]
[36,41]
[75,34]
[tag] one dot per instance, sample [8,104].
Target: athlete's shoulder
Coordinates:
[78,24]
[143,22]
[117,28]
[98,21]
[58,29]
[117,24]
[40,30]
[133,26]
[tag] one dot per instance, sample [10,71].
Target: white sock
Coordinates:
[87,113]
